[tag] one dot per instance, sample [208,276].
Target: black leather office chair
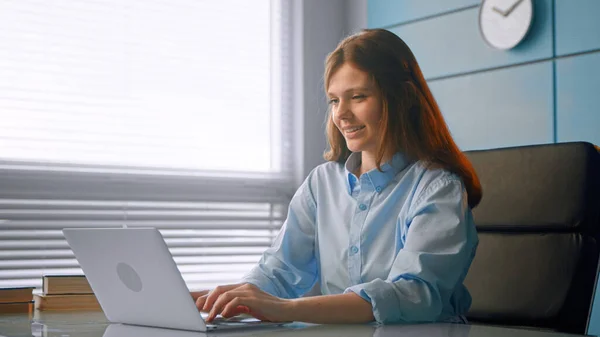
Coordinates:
[538,225]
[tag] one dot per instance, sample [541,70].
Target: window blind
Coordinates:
[167,114]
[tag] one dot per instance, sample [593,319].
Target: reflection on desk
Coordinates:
[94,324]
[309,330]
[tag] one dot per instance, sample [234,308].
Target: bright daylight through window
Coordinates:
[166,114]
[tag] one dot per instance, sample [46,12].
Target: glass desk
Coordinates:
[94,324]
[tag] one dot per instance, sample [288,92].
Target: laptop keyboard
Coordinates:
[236,320]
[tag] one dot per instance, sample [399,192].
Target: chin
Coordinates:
[354,147]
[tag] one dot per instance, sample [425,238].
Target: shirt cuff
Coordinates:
[383,299]
[262,282]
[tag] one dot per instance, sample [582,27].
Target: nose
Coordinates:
[342,110]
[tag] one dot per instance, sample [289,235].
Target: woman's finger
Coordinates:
[231,308]
[214,295]
[196,294]
[248,302]
[200,302]
[222,301]
[240,309]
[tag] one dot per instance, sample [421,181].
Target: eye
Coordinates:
[333,101]
[358,97]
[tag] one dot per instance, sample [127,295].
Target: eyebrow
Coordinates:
[352,89]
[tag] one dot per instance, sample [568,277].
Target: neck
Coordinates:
[369,161]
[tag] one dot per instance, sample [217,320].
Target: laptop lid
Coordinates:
[134,277]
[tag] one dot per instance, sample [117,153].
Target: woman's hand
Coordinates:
[234,299]
[198,294]
[205,299]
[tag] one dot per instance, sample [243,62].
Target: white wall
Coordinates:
[320,27]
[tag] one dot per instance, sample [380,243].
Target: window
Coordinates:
[160,113]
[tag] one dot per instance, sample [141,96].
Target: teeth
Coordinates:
[355,129]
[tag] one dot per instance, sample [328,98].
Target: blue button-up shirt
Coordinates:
[402,238]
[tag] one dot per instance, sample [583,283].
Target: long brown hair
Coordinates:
[411,119]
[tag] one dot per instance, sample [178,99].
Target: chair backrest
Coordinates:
[538,225]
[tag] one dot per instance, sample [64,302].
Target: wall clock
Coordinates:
[505,23]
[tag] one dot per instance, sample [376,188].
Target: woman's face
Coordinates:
[356,108]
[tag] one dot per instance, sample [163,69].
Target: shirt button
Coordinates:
[354,249]
[362,207]
[378,189]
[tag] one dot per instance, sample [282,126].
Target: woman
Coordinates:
[385,226]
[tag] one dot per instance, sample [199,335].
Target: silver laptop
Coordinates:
[136,280]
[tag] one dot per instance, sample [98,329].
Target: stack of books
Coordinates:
[66,292]
[16,300]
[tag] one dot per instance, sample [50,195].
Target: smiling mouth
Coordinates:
[353,130]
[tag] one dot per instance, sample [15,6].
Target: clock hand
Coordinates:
[512,8]
[497,10]
[508,11]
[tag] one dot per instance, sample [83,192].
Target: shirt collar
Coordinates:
[378,179]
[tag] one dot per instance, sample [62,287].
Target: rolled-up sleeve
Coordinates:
[439,247]
[288,269]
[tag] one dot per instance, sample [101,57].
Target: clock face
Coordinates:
[504,23]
